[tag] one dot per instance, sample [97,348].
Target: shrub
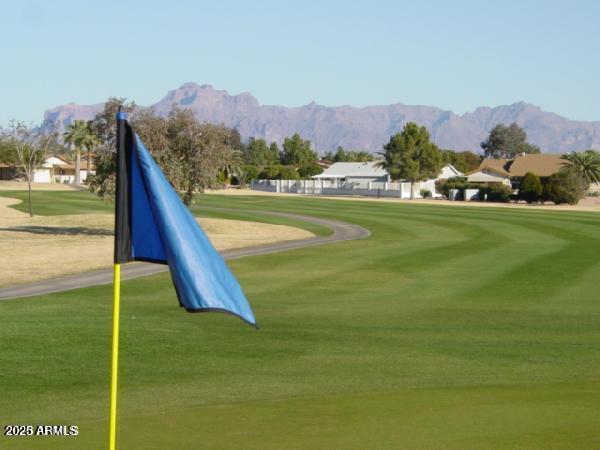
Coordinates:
[496,192]
[531,188]
[250,173]
[444,186]
[309,170]
[270,172]
[288,173]
[565,186]
[426,193]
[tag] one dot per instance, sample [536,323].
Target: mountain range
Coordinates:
[365,128]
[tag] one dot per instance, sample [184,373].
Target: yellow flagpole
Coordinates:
[115,358]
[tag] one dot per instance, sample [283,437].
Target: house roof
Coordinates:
[352,169]
[496,165]
[543,165]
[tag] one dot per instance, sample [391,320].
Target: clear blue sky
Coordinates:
[453,54]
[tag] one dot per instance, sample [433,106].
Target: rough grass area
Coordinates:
[44,247]
[449,328]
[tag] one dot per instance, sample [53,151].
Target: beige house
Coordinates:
[57,169]
[511,171]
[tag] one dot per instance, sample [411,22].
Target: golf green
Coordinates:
[449,328]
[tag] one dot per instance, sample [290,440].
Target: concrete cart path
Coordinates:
[341,232]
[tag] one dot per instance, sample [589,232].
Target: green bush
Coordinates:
[565,186]
[496,192]
[531,188]
[444,186]
[288,173]
[250,173]
[309,170]
[270,172]
[426,193]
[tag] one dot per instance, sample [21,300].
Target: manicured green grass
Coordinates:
[52,203]
[449,328]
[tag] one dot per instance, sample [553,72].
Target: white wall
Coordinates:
[42,175]
[325,187]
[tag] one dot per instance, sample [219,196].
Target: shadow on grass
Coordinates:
[63,231]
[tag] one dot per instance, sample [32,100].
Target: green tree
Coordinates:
[288,173]
[90,142]
[410,155]
[249,173]
[104,125]
[232,164]
[258,153]
[507,142]
[565,186]
[201,149]
[359,156]
[77,134]
[463,161]
[275,153]
[297,151]
[340,155]
[8,155]
[531,188]
[586,163]
[309,170]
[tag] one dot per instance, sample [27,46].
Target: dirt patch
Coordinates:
[48,246]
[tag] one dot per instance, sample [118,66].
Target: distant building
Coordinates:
[511,171]
[57,169]
[354,172]
[369,172]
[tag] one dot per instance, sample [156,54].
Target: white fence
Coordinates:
[324,187]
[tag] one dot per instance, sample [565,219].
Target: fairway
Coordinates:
[449,328]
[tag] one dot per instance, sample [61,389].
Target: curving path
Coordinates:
[341,232]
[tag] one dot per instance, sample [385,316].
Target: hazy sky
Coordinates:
[454,54]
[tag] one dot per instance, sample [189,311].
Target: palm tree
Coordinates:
[587,164]
[233,163]
[89,141]
[76,134]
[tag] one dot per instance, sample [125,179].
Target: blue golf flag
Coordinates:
[153,225]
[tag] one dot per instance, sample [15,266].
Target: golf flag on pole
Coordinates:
[153,225]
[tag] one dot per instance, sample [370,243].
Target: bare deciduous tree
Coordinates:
[31,145]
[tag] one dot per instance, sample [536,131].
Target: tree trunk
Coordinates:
[29,195]
[77,166]
[412,189]
[89,166]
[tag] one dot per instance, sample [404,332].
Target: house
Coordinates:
[369,172]
[543,165]
[7,171]
[57,169]
[449,171]
[490,171]
[354,172]
[511,171]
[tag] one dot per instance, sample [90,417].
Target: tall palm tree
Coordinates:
[232,164]
[587,164]
[75,135]
[90,141]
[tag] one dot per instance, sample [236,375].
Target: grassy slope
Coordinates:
[450,328]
